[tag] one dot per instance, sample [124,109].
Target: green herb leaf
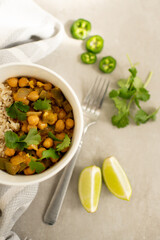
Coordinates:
[17,111]
[66,143]
[137,83]
[33,137]
[11,139]
[122,83]
[42,104]
[51,135]
[143,94]
[50,153]
[126,93]
[133,71]
[37,166]
[142,117]
[120,120]
[121,104]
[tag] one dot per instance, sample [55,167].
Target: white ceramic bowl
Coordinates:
[43,73]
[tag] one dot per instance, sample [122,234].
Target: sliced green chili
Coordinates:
[80,29]
[107,64]
[95,44]
[88,58]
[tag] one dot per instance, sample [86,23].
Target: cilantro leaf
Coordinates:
[37,166]
[121,104]
[137,83]
[11,139]
[122,83]
[17,111]
[121,120]
[113,93]
[50,153]
[33,137]
[42,104]
[143,94]
[66,143]
[126,93]
[142,117]
[133,71]
[51,135]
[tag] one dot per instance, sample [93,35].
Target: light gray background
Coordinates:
[131,27]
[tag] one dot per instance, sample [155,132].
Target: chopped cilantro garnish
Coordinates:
[51,135]
[42,104]
[14,141]
[37,166]
[17,111]
[66,143]
[50,153]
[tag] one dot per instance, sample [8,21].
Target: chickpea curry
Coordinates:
[46,125]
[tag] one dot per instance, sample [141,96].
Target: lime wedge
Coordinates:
[89,187]
[116,179]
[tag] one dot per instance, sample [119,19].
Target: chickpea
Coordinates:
[32,82]
[31,126]
[40,151]
[33,146]
[69,123]
[47,86]
[49,117]
[12,82]
[60,136]
[48,142]
[61,114]
[24,127]
[33,120]
[28,171]
[41,125]
[59,126]
[23,82]
[9,152]
[33,96]
[65,149]
[40,84]
[54,160]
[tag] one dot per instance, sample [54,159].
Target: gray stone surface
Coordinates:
[131,27]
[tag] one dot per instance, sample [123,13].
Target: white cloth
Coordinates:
[21,23]
[24,21]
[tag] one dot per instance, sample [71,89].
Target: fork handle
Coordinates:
[53,210]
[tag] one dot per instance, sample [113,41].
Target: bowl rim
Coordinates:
[67,158]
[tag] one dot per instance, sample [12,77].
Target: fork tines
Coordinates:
[96,94]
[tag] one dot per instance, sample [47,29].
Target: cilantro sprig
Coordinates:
[17,111]
[12,140]
[131,91]
[37,165]
[64,143]
[42,104]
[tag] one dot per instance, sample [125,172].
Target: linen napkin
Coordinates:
[28,33]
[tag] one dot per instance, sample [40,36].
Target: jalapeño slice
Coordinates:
[80,29]
[88,58]
[94,44]
[107,64]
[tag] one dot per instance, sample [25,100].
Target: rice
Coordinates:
[6,123]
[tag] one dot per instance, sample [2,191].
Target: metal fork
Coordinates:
[91,106]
